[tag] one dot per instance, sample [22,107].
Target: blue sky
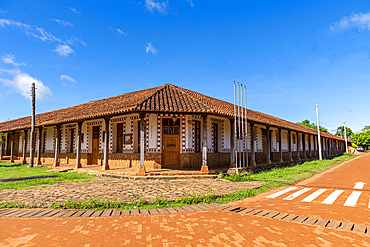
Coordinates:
[291,55]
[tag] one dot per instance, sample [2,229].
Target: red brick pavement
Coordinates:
[213,227]
[206,228]
[342,177]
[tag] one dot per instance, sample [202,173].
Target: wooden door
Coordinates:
[171,143]
[171,149]
[95,145]
[95,151]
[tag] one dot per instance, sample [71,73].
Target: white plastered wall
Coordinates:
[284,140]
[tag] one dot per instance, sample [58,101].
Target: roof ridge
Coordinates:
[182,90]
[140,104]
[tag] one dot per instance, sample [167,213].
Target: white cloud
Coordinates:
[6,22]
[151,48]
[41,34]
[10,59]
[63,50]
[3,11]
[152,6]
[191,3]
[119,31]
[64,23]
[358,22]
[74,10]
[67,78]
[21,83]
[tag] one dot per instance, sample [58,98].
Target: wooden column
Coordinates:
[39,146]
[253,152]
[322,147]
[298,147]
[12,148]
[204,146]
[232,146]
[106,145]
[57,147]
[142,170]
[290,145]
[309,146]
[268,155]
[280,148]
[1,147]
[78,152]
[25,133]
[304,146]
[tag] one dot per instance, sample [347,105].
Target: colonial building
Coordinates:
[161,127]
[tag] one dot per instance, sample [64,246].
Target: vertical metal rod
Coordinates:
[345,136]
[240,129]
[32,139]
[235,141]
[246,125]
[242,158]
[318,131]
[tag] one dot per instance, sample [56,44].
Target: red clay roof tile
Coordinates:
[167,98]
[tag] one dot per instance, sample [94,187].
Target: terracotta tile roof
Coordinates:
[166,98]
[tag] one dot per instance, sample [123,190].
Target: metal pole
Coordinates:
[235,142]
[318,131]
[32,140]
[345,136]
[242,113]
[246,124]
[240,127]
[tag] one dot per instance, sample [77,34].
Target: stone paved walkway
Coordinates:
[122,190]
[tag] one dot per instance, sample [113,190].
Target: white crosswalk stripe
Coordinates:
[332,197]
[296,194]
[352,199]
[281,192]
[314,195]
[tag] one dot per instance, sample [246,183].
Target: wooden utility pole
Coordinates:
[32,141]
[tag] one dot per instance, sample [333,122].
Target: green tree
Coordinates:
[361,139]
[312,125]
[340,132]
[366,128]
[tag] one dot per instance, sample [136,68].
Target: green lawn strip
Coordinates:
[291,174]
[11,170]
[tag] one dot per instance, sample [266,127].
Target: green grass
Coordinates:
[292,174]
[273,178]
[11,170]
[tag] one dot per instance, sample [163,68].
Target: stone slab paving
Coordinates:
[122,190]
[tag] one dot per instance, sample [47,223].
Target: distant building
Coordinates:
[176,122]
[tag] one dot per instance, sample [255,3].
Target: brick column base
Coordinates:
[268,162]
[39,163]
[204,169]
[281,161]
[105,167]
[78,166]
[56,164]
[142,171]
[24,162]
[253,163]
[232,165]
[11,161]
